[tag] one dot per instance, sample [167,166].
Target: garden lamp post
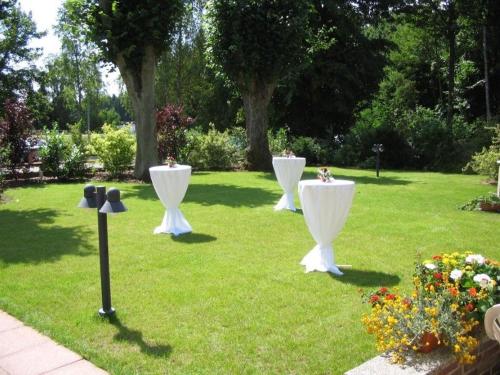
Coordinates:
[378,148]
[95,197]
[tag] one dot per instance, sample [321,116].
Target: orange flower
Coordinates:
[472,292]
[453,291]
[437,257]
[390,296]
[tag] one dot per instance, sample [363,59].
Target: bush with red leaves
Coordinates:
[171,126]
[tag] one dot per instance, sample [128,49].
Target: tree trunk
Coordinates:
[452,35]
[486,76]
[140,87]
[256,98]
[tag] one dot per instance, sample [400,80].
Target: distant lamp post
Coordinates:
[95,197]
[378,148]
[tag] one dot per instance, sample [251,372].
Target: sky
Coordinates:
[44,13]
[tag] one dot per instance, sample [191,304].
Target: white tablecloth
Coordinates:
[325,206]
[288,172]
[170,184]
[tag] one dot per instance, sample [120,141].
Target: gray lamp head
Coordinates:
[113,204]
[89,197]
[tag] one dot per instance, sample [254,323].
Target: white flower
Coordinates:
[482,279]
[430,266]
[474,258]
[456,274]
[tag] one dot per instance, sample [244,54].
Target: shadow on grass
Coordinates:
[31,237]
[358,179]
[366,278]
[135,337]
[190,238]
[211,194]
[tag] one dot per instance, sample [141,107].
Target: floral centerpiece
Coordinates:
[451,295]
[287,153]
[325,175]
[171,162]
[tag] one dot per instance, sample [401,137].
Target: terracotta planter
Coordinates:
[428,342]
[492,207]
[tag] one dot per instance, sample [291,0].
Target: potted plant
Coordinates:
[450,297]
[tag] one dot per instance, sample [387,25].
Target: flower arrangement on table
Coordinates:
[451,295]
[325,175]
[287,153]
[171,162]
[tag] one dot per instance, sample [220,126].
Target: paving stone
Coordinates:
[77,368]
[8,322]
[20,338]
[39,359]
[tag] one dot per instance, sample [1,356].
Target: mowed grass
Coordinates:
[230,298]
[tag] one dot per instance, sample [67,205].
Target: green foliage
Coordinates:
[213,150]
[308,148]
[17,30]
[53,152]
[127,28]
[475,204]
[61,158]
[278,141]
[257,40]
[485,162]
[115,148]
[109,116]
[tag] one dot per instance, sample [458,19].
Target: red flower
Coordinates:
[437,284]
[472,292]
[469,307]
[438,276]
[383,290]
[390,296]
[437,257]
[407,302]
[374,298]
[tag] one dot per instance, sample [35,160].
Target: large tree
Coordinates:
[132,34]
[256,43]
[17,69]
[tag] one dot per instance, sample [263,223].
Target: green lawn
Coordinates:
[231,297]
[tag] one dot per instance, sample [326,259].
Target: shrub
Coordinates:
[308,148]
[3,158]
[213,150]
[485,162]
[61,158]
[15,130]
[53,152]
[115,149]
[171,125]
[278,141]
[238,138]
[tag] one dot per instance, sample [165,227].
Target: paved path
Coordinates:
[24,351]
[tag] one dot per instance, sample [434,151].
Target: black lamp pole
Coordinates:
[105,203]
[378,148]
[102,225]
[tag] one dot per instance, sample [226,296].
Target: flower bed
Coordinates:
[451,295]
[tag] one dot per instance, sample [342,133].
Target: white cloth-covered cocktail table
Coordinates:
[288,172]
[170,184]
[325,206]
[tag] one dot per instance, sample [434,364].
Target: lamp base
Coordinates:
[110,312]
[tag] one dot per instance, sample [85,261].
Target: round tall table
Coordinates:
[170,184]
[288,172]
[325,206]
